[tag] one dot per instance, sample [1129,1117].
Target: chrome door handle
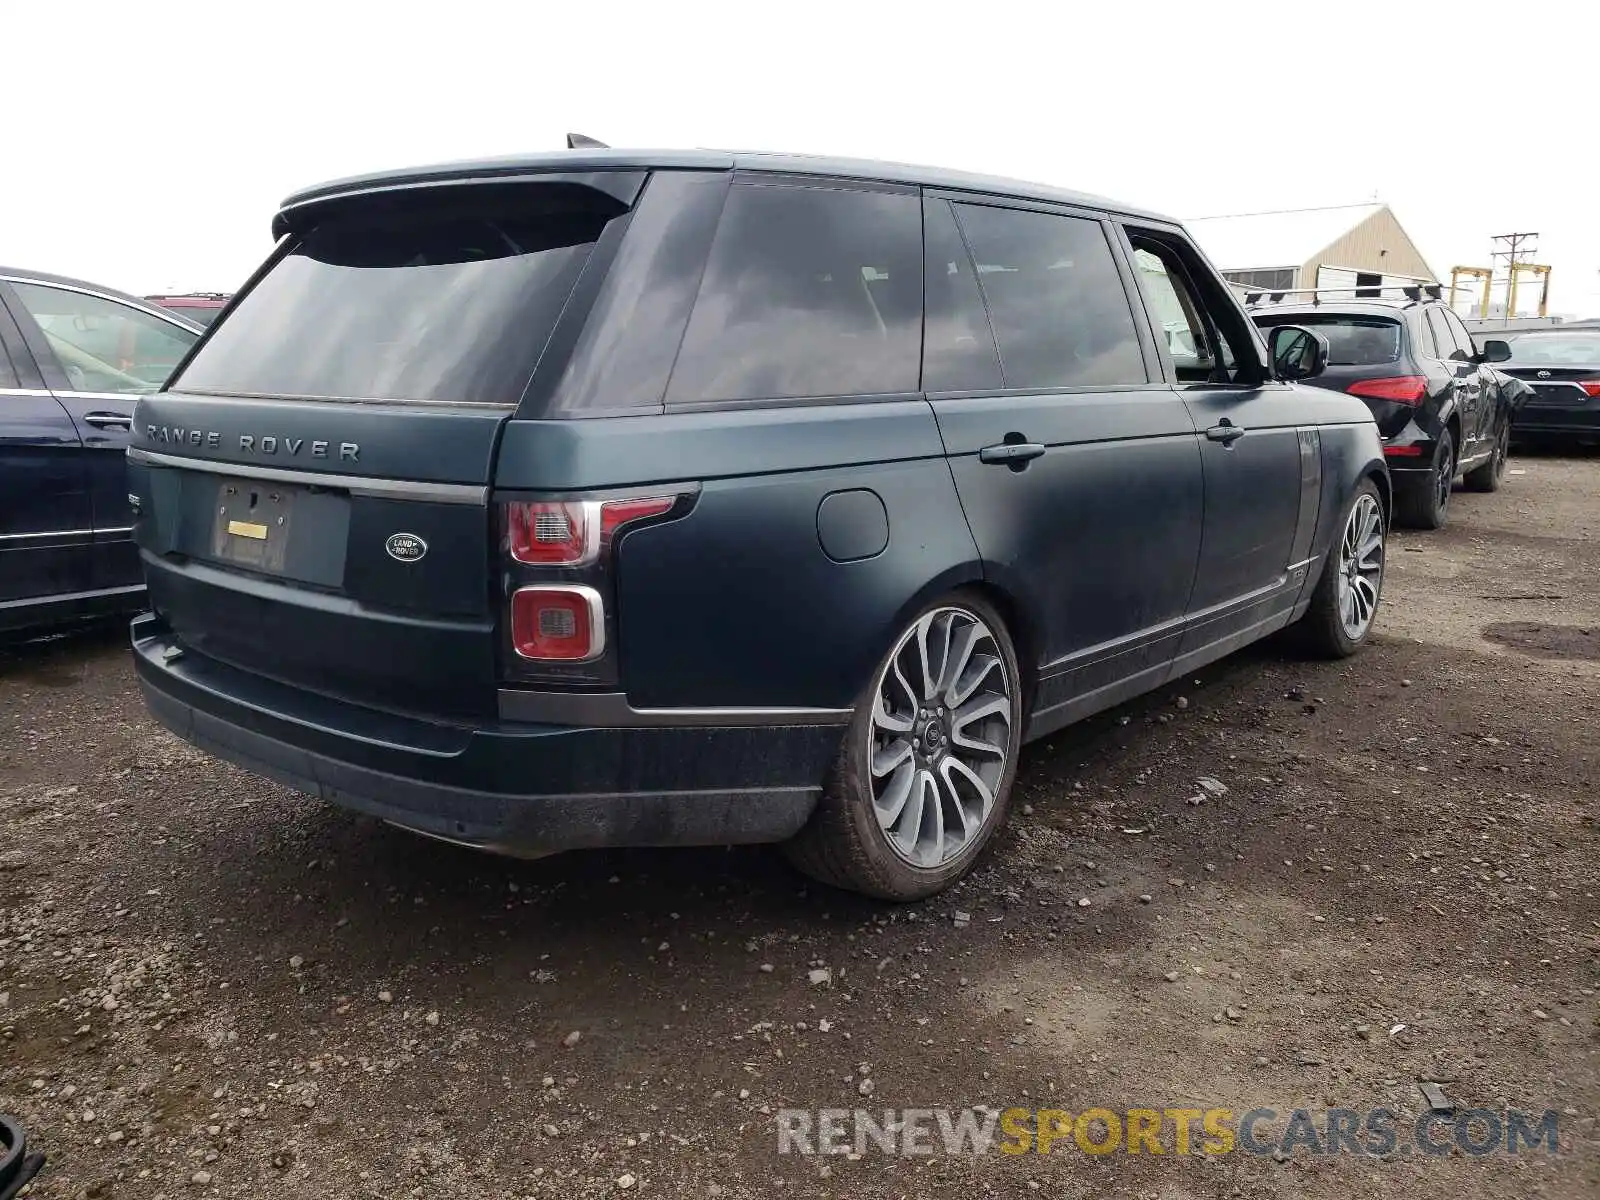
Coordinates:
[103,420]
[1227,432]
[1015,455]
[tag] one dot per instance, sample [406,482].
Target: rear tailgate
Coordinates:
[256,559]
[312,488]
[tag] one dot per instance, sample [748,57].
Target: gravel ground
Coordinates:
[210,986]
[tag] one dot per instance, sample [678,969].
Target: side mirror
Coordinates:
[1494,350]
[1297,352]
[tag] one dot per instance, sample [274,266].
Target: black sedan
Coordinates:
[1562,366]
[74,358]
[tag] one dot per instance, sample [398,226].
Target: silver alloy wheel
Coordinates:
[941,736]
[1360,567]
[1502,448]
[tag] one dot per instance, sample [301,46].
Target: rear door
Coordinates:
[1078,470]
[99,354]
[312,486]
[45,526]
[1256,459]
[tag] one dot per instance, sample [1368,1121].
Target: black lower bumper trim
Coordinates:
[680,796]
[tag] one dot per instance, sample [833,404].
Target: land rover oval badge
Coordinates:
[405,547]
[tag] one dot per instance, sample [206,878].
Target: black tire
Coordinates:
[1426,504]
[1492,474]
[1322,629]
[844,844]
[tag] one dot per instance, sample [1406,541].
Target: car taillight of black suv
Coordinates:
[642,499]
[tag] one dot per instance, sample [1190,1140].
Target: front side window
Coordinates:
[1055,298]
[1458,331]
[808,291]
[1176,315]
[1204,332]
[104,345]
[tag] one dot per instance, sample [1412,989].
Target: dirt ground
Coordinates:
[210,986]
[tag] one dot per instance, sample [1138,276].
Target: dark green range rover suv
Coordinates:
[602,498]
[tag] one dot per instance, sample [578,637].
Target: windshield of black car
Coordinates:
[1352,341]
[1556,349]
[424,302]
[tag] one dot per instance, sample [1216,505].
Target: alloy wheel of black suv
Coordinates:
[721,499]
[1489,476]
[1424,502]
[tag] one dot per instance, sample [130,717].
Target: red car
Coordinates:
[201,307]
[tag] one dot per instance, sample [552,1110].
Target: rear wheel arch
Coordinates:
[1385,486]
[1022,624]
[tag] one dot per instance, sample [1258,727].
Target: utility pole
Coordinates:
[1510,247]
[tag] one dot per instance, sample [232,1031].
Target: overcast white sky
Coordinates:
[147,146]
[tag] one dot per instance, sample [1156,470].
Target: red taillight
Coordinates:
[569,533]
[1404,389]
[1591,387]
[614,514]
[1402,451]
[553,534]
[558,623]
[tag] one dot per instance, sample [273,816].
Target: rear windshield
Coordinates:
[1352,341]
[1557,349]
[439,305]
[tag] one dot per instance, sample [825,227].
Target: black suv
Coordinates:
[603,498]
[1442,410]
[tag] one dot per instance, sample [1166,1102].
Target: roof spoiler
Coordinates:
[1410,291]
[578,141]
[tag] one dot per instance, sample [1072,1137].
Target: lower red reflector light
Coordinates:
[558,623]
[1402,451]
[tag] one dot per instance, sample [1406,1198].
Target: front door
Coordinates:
[1253,455]
[99,354]
[1079,476]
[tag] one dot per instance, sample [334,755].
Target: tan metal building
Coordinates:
[1351,246]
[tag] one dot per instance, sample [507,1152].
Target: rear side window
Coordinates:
[1057,303]
[104,345]
[1442,337]
[1352,341]
[808,291]
[437,304]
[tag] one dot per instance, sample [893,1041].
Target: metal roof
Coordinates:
[582,160]
[1262,241]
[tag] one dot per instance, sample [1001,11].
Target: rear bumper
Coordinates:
[515,788]
[1582,420]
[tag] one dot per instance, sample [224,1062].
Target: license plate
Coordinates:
[253,524]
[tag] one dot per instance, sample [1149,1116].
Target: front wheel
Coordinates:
[1491,474]
[1346,600]
[924,775]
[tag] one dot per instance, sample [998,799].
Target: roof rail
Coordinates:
[1412,292]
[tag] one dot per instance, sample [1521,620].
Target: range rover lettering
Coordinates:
[724,498]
